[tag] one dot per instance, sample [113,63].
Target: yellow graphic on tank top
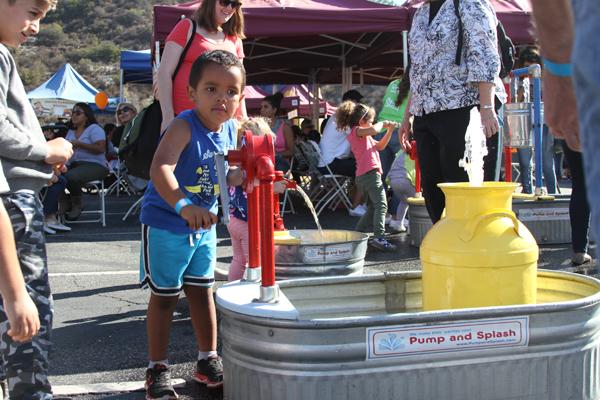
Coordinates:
[204,184]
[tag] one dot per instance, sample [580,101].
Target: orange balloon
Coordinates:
[101,100]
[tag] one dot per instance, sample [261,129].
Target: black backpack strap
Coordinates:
[459,45]
[186,48]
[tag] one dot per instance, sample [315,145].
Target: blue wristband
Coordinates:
[562,70]
[182,203]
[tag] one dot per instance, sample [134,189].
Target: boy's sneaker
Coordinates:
[210,372]
[382,244]
[158,384]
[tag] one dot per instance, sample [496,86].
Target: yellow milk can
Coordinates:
[479,254]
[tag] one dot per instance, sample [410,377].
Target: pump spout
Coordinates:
[223,188]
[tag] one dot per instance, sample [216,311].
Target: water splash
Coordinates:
[311,207]
[475,149]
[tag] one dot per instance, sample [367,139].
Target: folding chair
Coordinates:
[326,190]
[92,187]
[119,171]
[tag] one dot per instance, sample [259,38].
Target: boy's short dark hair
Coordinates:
[219,57]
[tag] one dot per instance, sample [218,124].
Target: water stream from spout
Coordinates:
[311,207]
[475,149]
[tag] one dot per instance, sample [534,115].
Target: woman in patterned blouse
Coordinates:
[443,92]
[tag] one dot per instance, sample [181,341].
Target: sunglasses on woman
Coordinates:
[77,112]
[124,110]
[232,3]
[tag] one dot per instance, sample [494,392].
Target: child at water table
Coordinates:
[238,207]
[179,214]
[359,118]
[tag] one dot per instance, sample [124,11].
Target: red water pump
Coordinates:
[257,158]
[414,156]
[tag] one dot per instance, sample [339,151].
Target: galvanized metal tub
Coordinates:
[350,339]
[518,124]
[337,252]
[548,220]
[418,220]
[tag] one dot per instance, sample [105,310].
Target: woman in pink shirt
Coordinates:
[359,118]
[270,108]
[220,26]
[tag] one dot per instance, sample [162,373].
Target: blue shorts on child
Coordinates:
[170,260]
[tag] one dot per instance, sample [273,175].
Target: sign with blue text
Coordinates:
[410,340]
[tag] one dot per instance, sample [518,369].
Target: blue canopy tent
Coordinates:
[62,90]
[136,66]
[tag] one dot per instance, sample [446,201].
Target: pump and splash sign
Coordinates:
[410,340]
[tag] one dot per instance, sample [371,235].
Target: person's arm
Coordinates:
[167,67]
[163,177]
[96,135]
[482,59]
[96,147]
[288,134]
[554,26]
[489,120]
[22,314]
[382,144]
[405,128]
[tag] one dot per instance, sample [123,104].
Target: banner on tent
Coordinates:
[52,107]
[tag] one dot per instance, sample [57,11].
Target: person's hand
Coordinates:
[23,318]
[59,151]
[560,109]
[389,124]
[198,217]
[404,133]
[489,122]
[279,187]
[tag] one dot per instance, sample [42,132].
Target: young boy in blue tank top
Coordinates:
[179,213]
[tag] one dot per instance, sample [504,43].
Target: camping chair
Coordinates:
[94,187]
[119,172]
[326,190]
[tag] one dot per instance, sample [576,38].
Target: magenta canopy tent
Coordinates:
[255,95]
[296,41]
[300,41]
[307,99]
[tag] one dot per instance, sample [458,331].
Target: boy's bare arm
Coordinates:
[20,309]
[165,160]
[162,174]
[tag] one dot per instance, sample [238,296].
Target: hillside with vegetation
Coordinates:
[88,34]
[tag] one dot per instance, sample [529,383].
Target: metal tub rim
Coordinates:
[423,316]
[361,236]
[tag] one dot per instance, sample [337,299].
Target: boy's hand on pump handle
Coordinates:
[198,217]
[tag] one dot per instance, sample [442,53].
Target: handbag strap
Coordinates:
[459,45]
[186,48]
